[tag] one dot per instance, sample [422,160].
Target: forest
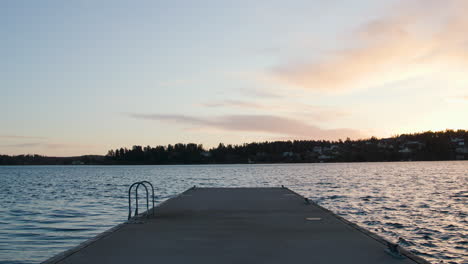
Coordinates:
[426,146]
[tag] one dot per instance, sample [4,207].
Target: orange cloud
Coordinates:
[409,38]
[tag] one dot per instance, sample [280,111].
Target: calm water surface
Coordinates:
[421,205]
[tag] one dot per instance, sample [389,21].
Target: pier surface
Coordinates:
[235,225]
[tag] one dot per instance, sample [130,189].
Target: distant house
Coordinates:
[414,144]
[463,150]
[405,150]
[456,140]
[206,154]
[385,144]
[317,149]
[288,154]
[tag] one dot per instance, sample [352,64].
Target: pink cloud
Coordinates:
[257,123]
[312,112]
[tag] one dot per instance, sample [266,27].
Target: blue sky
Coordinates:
[80,77]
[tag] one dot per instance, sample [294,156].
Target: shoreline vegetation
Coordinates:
[426,146]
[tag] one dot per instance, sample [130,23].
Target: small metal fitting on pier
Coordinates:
[394,250]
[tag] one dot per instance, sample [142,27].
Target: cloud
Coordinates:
[259,93]
[234,103]
[66,145]
[46,145]
[23,145]
[313,112]
[20,142]
[19,137]
[411,36]
[256,123]
[38,142]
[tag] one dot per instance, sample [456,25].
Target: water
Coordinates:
[421,205]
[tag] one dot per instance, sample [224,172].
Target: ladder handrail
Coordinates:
[129,200]
[136,197]
[152,191]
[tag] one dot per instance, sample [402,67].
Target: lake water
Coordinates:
[421,205]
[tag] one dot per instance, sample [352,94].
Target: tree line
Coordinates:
[426,146]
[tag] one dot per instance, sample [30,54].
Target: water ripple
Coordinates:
[420,205]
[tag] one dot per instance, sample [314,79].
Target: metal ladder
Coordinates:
[138,184]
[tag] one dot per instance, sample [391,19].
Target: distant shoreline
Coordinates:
[446,145]
[207,164]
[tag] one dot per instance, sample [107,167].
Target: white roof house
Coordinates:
[405,150]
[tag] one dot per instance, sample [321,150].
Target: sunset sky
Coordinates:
[82,77]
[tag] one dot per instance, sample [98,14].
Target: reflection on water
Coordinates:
[422,205]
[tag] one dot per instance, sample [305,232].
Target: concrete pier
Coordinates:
[237,225]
